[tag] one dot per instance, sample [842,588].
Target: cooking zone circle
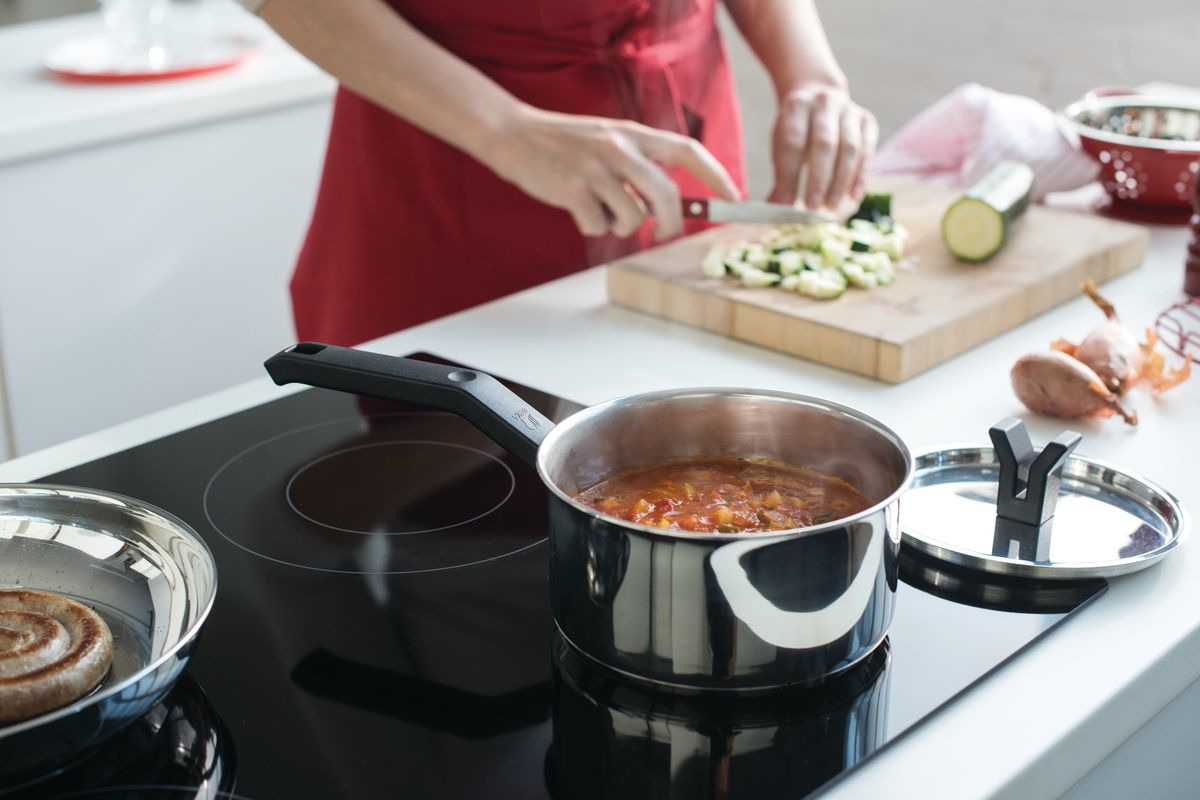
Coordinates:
[369,472]
[385,494]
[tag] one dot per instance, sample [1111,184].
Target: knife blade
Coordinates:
[714,210]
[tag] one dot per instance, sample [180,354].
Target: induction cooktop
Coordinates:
[382,628]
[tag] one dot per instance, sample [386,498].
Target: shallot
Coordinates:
[1090,378]
[1113,352]
[1057,385]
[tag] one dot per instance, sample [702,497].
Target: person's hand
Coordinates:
[604,172]
[819,128]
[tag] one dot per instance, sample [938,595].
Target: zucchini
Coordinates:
[874,207]
[977,224]
[822,286]
[821,260]
[713,265]
[791,262]
[758,278]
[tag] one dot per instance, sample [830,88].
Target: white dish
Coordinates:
[95,57]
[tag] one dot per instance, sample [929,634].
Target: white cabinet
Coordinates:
[150,265]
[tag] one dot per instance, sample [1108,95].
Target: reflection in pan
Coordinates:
[614,739]
[179,749]
[995,592]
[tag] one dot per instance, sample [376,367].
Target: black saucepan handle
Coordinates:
[475,396]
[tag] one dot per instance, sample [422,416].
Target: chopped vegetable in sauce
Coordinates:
[724,495]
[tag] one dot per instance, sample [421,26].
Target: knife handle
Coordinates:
[695,207]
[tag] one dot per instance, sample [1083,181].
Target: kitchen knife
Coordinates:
[714,210]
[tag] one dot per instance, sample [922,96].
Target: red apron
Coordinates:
[407,228]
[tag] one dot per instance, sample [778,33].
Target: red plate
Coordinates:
[94,59]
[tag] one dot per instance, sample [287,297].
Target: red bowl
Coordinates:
[1141,169]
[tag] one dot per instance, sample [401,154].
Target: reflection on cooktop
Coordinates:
[615,740]
[179,749]
[419,700]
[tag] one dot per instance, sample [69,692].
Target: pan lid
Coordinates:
[1008,510]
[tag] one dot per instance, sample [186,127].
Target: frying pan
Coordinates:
[143,570]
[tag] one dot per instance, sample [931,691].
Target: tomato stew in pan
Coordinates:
[724,495]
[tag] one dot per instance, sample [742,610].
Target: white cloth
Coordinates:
[958,139]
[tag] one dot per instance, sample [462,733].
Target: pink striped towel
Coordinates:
[959,138]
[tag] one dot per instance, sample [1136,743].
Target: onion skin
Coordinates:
[1057,385]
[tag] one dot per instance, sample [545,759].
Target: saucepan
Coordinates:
[144,571]
[691,611]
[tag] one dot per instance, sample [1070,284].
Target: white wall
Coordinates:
[902,55]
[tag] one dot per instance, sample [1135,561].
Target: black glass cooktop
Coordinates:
[382,629]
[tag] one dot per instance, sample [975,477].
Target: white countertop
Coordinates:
[41,114]
[1037,724]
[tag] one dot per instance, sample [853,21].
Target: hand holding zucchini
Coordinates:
[818,261]
[976,225]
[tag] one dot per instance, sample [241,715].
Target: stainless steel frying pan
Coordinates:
[144,571]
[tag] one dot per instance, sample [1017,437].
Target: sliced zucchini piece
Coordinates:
[813,260]
[858,276]
[976,225]
[791,262]
[874,206]
[713,265]
[834,251]
[757,257]
[885,272]
[757,278]
[892,244]
[819,285]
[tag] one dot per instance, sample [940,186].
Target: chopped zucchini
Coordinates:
[758,278]
[875,205]
[713,265]
[834,251]
[892,244]
[791,262]
[815,284]
[757,257]
[819,260]
[859,276]
[813,260]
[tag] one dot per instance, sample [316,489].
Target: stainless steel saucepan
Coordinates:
[688,610]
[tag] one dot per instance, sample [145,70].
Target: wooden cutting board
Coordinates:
[937,308]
